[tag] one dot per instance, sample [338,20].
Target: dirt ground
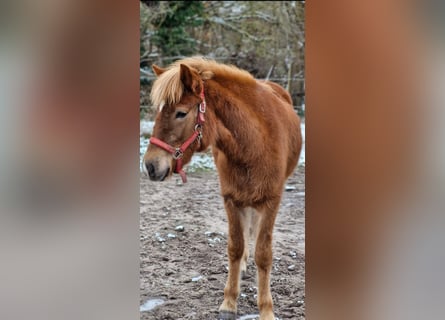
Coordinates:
[183,260]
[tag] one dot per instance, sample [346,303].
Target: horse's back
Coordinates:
[282,93]
[290,123]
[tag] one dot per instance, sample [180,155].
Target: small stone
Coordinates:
[290,188]
[179,228]
[171,236]
[216,239]
[160,239]
[243,295]
[291,267]
[195,279]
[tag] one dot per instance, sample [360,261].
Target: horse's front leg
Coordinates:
[263,260]
[235,250]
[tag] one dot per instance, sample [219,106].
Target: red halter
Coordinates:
[178,152]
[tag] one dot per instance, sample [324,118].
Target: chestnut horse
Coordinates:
[255,137]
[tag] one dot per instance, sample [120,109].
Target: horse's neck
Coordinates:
[229,127]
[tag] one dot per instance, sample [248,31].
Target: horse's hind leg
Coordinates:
[250,224]
[246,222]
[263,259]
[235,250]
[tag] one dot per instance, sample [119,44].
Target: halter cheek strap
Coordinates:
[178,153]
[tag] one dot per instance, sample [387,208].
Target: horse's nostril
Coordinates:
[150,169]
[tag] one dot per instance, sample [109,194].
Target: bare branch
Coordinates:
[223,23]
[270,72]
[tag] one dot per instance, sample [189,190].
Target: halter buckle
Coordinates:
[202,107]
[178,154]
[198,128]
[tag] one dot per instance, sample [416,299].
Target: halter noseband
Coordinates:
[178,152]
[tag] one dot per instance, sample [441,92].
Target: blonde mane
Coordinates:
[168,88]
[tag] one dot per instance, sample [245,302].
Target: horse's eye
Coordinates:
[180,115]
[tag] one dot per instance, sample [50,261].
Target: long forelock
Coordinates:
[167,89]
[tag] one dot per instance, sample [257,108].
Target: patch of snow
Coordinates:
[201,161]
[146,127]
[196,279]
[249,317]
[216,239]
[159,238]
[150,305]
[302,160]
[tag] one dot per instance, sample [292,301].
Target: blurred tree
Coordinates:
[266,38]
[170,25]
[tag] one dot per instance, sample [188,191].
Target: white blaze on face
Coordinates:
[144,167]
[161,106]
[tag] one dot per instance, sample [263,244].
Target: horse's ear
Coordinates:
[158,70]
[190,79]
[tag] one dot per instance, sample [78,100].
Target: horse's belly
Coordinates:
[248,185]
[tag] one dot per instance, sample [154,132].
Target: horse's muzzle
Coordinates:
[154,173]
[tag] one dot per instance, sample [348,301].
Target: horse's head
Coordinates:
[176,92]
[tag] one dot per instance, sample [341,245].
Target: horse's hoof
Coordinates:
[227,315]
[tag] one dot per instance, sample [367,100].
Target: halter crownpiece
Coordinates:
[178,152]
